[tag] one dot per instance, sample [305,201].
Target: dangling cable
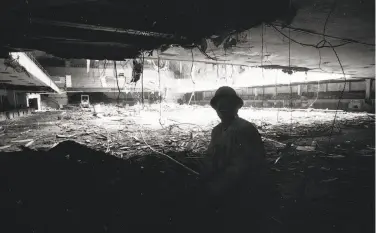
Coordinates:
[193,92]
[262,50]
[159,93]
[192,68]
[341,96]
[117,82]
[142,80]
[317,94]
[290,82]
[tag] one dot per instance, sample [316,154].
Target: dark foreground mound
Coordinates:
[72,188]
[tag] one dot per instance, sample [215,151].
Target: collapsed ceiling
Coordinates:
[121,29]
[279,34]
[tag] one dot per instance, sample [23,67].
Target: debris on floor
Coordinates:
[120,154]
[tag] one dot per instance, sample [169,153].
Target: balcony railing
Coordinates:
[29,55]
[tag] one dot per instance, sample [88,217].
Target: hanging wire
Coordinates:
[266,48]
[317,94]
[275,84]
[339,62]
[225,65]
[206,55]
[232,72]
[317,46]
[192,67]
[159,93]
[142,80]
[341,95]
[117,82]
[167,156]
[262,50]
[320,60]
[290,83]
[350,41]
[290,78]
[289,49]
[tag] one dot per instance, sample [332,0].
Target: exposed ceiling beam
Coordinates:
[107,29]
[34,69]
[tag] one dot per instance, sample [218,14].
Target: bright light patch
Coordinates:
[205,118]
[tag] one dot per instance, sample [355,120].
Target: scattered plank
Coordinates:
[22,141]
[329,180]
[271,140]
[29,143]
[334,156]
[331,156]
[65,136]
[306,148]
[4,147]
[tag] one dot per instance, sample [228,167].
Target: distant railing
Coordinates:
[29,55]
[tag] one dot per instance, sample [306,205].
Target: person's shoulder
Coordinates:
[217,128]
[245,125]
[242,122]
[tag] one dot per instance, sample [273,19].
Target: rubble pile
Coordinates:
[125,131]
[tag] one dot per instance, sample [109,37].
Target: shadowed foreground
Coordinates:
[90,191]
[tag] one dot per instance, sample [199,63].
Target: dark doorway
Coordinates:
[33,103]
[5,105]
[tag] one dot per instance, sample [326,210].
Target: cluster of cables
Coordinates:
[323,43]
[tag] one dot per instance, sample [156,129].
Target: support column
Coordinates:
[299,90]
[368,88]
[68,81]
[275,91]
[180,69]
[11,99]
[15,99]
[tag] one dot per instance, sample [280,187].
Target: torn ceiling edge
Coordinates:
[286,68]
[182,23]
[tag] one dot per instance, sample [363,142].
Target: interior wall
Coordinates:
[184,77]
[15,99]
[22,101]
[11,98]
[316,95]
[55,101]
[4,103]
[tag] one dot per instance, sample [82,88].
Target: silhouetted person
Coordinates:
[236,147]
[234,172]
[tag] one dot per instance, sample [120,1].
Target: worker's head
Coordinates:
[226,102]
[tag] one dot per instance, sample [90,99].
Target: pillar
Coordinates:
[68,81]
[275,91]
[11,99]
[299,90]
[68,78]
[368,88]
[15,99]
